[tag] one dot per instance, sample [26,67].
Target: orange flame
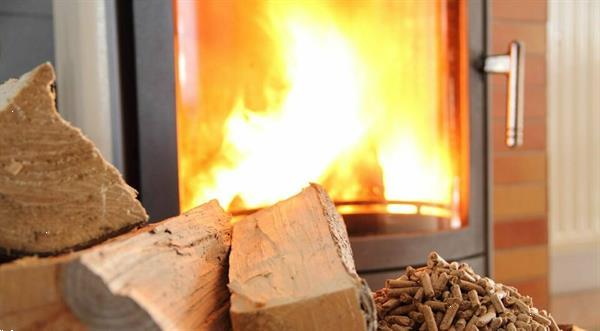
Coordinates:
[357,96]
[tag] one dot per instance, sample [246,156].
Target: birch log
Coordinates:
[57,193]
[291,268]
[170,275]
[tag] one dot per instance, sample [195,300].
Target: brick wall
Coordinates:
[520,186]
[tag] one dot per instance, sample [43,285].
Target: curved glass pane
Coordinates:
[363,97]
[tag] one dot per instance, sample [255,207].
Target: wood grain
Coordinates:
[167,276]
[291,268]
[54,317]
[170,275]
[31,298]
[56,191]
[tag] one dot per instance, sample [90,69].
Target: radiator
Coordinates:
[574,121]
[574,144]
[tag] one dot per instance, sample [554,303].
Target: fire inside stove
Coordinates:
[366,98]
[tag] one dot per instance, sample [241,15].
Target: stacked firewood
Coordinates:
[451,296]
[195,271]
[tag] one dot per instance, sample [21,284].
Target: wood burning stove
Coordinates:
[164,77]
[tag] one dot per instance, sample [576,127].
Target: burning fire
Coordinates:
[353,95]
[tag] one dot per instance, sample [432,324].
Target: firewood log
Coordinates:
[56,191]
[291,268]
[170,275]
[31,297]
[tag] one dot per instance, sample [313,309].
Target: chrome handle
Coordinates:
[512,65]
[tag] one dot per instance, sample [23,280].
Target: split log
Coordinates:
[31,297]
[57,193]
[291,268]
[170,275]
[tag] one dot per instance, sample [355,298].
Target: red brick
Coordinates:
[512,202]
[519,167]
[520,223]
[522,10]
[521,233]
[520,264]
[532,34]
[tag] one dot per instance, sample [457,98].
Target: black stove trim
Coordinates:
[146,47]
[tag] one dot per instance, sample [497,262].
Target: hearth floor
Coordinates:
[580,308]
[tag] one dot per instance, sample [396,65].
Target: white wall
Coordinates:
[574,143]
[86,67]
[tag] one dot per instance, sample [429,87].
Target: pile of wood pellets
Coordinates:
[451,296]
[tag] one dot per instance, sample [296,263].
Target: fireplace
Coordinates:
[384,103]
[285,93]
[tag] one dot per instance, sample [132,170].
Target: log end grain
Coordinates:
[170,275]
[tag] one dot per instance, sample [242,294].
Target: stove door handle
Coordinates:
[512,65]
